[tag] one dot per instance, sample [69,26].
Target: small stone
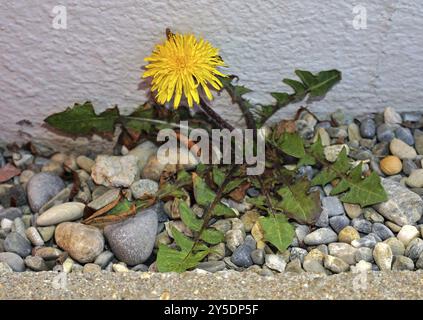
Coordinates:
[153,169]
[320,236]
[83,243]
[419,263]
[257,256]
[64,212]
[362,225]
[415,180]
[104,199]
[405,135]
[408,166]
[242,256]
[402,263]
[36,263]
[373,216]
[394,227]
[333,206]
[397,247]
[46,233]
[294,266]
[353,210]
[383,256]
[323,248]
[361,267]
[144,187]
[4,267]
[332,152]
[324,137]
[249,219]
[212,266]
[335,265]
[343,251]
[120,268]
[41,188]
[368,128]
[385,133]
[298,253]
[68,265]
[104,258]
[91,268]
[354,132]
[140,268]
[85,163]
[301,231]
[391,116]
[364,253]
[275,262]
[368,241]
[115,171]
[403,206]
[414,249]
[382,231]
[143,152]
[348,235]
[10,213]
[6,224]
[223,225]
[14,261]
[418,139]
[313,262]
[339,222]
[34,236]
[15,243]
[323,220]
[391,165]
[25,176]
[402,150]
[407,234]
[234,238]
[48,253]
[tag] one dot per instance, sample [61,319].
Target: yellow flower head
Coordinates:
[180,65]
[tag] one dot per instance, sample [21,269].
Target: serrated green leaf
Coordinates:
[308,79]
[186,243]
[318,85]
[333,171]
[212,236]
[277,230]
[298,87]
[172,260]
[175,189]
[219,176]
[189,218]
[282,98]
[300,205]
[241,90]
[292,144]
[82,120]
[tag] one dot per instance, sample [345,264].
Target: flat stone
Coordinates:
[36,263]
[212,266]
[143,152]
[83,243]
[144,187]
[339,222]
[48,253]
[364,254]
[383,256]
[415,180]
[115,171]
[414,249]
[14,261]
[10,213]
[15,243]
[407,234]
[404,134]
[353,210]
[91,268]
[103,200]
[41,188]
[403,206]
[391,116]
[275,262]
[62,197]
[402,263]
[335,265]
[343,251]
[348,235]
[132,240]
[320,236]
[64,212]
[402,150]
[382,231]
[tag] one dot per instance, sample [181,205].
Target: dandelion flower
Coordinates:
[181,65]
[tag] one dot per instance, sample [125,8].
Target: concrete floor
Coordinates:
[221,285]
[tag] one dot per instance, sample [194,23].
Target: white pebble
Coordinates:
[407,234]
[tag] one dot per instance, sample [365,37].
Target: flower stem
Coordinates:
[217,119]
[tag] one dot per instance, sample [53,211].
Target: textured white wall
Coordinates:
[99,55]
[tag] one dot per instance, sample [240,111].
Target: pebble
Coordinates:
[368,241]
[324,137]
[391,116]
[257,256]
[382,231]
[333,206]
[407,234]
[68,265]
[48,253]
[85,163]
[418,139]
[6,224]
[234,238]
[408,166]
[143,152]
[14,261]
[242,256]
[249,218]
[132,240]
[10,213]
[361,267]
[343,251]
[64,212]
[120,268]
[353,210]
[402,263]
[115,171]
[298,253]
[212,266]
[385,133]
[104,258]
[313,262]
[391,165]
[144,187]
[397,247]
[373,216]
[332,152]
[383,256]
[419,263]
[348,235]
[320,236]
[36,263]
[364,254]
[34,236]
[294,266]
[140,268]
[335,265]
[405,135]
[41,188]
[153,169]
[354,132]
[339,222]
[403,206]
[218,252]
[415,180]
[15,243]
[104,199]
[83,243]
[362,225]
[275,262]
[46,233]
[91,268]
[323,220]
[402,150]
[414,249]
[368,128]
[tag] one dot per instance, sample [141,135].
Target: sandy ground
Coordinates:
[221,285]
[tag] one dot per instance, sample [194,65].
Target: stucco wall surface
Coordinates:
[100,54]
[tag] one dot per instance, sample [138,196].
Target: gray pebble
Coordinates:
[323,220]
[333,206]
[414,249]
[362,225]
[408,166]
[10,213]
[258,256]
[36,263]
[368,241]
[212,266]
[15,243]
[13,260]
[402,263]
[339,222]
[365,254]
[298,253]
[321,236]
[382,231]
[385,133]
[140,268]
[242,256]
[405,135]
[368,128]
[104,259]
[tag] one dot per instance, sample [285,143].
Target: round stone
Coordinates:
[15,243]
[335,265]
[36,263]
[415,180]
[348,235]
[364,254]
[41,188]
[275,262]
[13,261]
[258,256]
[132,240]
[407,234]
[104,259]
[397,247]
[242,256]
[34,236]
[115,171]
[402,263]
[414,249]
[402,150]
[143,188]
[368,128]
[390,165]
[362,225]
[343,251]
[385,133]
[91,268]
[320,236]
[339,222]
[353,210]
[383,256]
[64,212]
[382,231]
[83,243]
[405,135]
